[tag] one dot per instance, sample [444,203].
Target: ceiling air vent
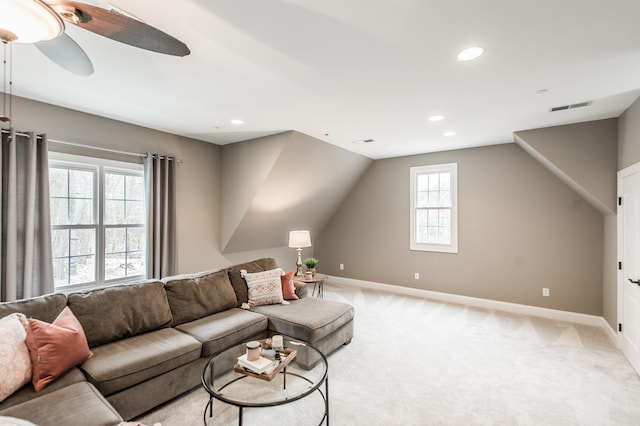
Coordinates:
[364,141]
[571,106]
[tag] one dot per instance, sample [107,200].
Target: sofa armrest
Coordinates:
[302,288]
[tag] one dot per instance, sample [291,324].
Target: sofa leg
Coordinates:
[347,342]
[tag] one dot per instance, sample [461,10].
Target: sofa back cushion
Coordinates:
[195,296]
[239,284]
[114,313]
[44,308]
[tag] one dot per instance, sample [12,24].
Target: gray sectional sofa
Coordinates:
[151,341]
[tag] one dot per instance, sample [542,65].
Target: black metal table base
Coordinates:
[325,398]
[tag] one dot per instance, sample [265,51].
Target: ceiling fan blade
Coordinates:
[119,27]
[67,53]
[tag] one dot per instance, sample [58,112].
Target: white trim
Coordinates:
[536,311]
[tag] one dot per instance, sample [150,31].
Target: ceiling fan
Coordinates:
[43,23]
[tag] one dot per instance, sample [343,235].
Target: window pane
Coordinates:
[80,184]
[60,243]
[135,239]
[421,217]
[433,218]
[423,199]
[423,182]
[114,266]
[136,264]
[434,199]
[421,236]
[445,199]
[113,212]
[81,211]
[434,182]
[445,217]
[432,235]
[444,235]
[58,183]
[61,272]
[82,269]
[83,242]
[134,212]
[114,186]
[135,188]
[115,240]
[59,211]
[445,181]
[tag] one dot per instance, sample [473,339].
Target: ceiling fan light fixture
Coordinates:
[30,21]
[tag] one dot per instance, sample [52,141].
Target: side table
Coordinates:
[318,281]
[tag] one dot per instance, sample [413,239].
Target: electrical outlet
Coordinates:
[416,275]
[545,292]
[342,266]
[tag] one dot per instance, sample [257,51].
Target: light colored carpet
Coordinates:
[421,362]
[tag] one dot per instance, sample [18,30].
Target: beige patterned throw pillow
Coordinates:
[264,287]
[15,363]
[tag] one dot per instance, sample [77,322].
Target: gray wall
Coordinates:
[520,229]
[585,156]
[198,178]
[629,136]
[276,184]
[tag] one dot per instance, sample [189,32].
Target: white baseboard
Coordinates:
[536,311]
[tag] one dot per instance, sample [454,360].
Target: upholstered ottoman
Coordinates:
[325,324]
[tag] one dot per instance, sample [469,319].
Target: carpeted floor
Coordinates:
[420,362]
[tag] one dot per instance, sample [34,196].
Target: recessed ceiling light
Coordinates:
[470,53]
[450,134]
[236,121]
[436,118]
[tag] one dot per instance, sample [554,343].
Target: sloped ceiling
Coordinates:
[583,155]
[279,183]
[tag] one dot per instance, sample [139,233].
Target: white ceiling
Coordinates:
[347,70]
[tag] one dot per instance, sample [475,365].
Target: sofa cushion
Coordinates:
[27,392]
[55,348]
[79,404]
[198,295]
[309,319]
[45,308]
[224,329]
[15,363]
[238,283]
[130,310]
[118,365]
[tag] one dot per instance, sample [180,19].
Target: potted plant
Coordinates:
[310,263]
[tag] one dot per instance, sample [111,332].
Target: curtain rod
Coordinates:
[114,151]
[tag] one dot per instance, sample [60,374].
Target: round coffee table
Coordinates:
[223,381]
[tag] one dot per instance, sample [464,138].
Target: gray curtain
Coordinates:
[26,265]
[161,215]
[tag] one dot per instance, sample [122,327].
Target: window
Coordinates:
[434,218]
[98,220]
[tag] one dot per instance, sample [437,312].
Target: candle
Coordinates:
[276,341]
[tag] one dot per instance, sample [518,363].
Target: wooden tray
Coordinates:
[286,355]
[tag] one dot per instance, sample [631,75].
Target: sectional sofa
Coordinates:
[151,340]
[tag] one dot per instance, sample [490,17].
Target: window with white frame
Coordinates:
[98,220]
[434,208]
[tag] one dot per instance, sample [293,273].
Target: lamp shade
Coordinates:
[299,239]
[28,21]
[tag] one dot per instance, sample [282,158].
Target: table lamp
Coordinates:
[298,240]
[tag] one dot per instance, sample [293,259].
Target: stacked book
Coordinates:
[260,366]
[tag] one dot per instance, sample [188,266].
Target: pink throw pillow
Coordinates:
[288,288]
[55,348]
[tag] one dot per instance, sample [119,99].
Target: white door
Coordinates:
[629,276]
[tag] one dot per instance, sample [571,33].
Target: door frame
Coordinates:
[627,171]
